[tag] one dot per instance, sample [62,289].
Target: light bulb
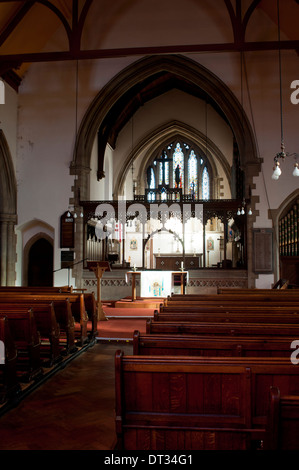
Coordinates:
[250,211]
[242,211]
[274,176]
[277,170]
[296,170]
[238,213]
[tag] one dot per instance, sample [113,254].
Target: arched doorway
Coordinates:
[40,263]
[157,243]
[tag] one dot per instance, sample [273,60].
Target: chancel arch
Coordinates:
[114,108]
[145,79]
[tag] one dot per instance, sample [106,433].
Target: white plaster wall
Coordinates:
[155,23]
[8,119]
[174,105]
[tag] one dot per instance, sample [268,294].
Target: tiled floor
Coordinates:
[73,410]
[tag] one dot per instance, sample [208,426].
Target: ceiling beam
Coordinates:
[13,23]
[140,51]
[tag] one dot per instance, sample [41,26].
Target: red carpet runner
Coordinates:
[122,322]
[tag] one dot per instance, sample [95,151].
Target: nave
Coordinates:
[73,410]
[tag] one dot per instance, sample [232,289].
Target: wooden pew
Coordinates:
[222,328]
[269,293]
[48,327]
[77,306]
[9,384]
[27,340]
[46,324]
[229,317]
[80,316]
[63,311]
[178,403]
[63,314]
[84,304]
[282,430]
[36,289]
[91,311]
[231,290]
[193,345]
[271,296]
[232,308]
[230,303]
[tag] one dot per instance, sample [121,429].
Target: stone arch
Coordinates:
[26,254]
[156,138]
[8,213]
[120,98]
[30,232]
[126,92]
[275,215]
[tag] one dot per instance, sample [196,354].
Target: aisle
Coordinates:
[122,322]
[73,410]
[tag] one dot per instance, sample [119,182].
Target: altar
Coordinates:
[157,283]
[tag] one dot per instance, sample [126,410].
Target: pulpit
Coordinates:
[99,267]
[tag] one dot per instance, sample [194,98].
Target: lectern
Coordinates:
[98,267]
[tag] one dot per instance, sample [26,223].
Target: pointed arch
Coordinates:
[8,213]
[142,81]
[276,215]
[125,93]
[157,137]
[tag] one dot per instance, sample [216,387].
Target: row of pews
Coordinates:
[213,372]
[41,328]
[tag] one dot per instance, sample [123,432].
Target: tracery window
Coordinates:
[152,179]
[192,175]
[205,184]
[180,164]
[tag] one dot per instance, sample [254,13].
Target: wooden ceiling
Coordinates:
[26,26]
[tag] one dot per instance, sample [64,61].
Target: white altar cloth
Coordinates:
[155,283]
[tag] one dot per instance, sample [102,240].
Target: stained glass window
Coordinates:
[163,194]
[166,172]
[182,165]
[205,184]
[178,166]
[192,175]
[160,172]
[163,172]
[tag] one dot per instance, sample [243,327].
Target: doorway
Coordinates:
[40,263]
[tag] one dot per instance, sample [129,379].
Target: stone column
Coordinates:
[8,249]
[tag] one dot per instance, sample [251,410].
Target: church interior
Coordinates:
[149,166]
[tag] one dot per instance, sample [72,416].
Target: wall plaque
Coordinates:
[67,259]
[263,251]
[67,230]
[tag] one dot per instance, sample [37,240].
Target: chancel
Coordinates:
[148,168]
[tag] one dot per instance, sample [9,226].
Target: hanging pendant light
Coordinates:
[282,154]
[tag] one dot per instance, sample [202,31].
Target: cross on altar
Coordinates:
[98,267]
